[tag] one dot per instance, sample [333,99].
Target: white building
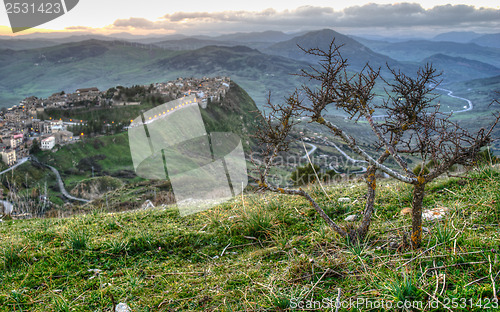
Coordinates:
[48,143]
[9,156]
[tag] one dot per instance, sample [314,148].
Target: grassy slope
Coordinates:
[236,114]
[157,261]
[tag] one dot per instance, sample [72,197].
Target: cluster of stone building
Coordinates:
[205,88]
[19,128]
[67,99]
[19,125]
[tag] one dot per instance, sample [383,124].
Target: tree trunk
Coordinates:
[363,228]
[371,183]
[416,220]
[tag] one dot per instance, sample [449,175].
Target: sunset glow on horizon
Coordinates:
[200,17]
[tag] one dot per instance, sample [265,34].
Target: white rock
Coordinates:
[434,214]
[122,307]
[344,200]
[147,205]
[351,218]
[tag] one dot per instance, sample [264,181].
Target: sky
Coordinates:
[215,17]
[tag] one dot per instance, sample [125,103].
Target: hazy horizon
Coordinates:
[360,17]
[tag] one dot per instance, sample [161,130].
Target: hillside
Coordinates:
[254,71]
[459,68]
[480,91]
[356,53]
[71,66]
[260,68]
[106,64]
[192,43]
[110,155]
[488,40]
[264,36]
[18,44]
[417,50]
[259,252]
[457,36]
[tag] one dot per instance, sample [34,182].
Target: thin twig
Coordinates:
[310,290]
[438,300]
[444,284]
[478,280]
[453,265]
[182,273]
[337,302]
[428,249]
[450,191]
[249,244]
[492,280]
[224,250]
[315,173]
[437,280]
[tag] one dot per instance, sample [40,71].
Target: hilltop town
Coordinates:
[23,128]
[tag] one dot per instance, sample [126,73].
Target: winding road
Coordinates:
[19,163]
[310,152]
[469,102]
[61,186]
[467,108]
[9,207]
[54,170]
[349,158]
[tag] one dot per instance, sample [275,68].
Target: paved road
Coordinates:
[19,163]
[349,158]
[311,151]
[331,165]
[354,161]
[467,108]
[59,181]
[9,207]
[61,186]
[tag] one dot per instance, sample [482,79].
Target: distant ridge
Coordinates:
[490,40]
[356,53]
[457,36]
[459,68]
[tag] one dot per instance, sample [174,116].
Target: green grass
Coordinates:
[262,252]
[77,240]
[111,154]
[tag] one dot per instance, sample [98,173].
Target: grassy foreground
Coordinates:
[262,252]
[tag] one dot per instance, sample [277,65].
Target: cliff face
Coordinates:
[236,113]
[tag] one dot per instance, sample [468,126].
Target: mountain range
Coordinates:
[486,40]
[260,62]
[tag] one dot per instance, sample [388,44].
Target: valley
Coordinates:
[255,67]
[81,229]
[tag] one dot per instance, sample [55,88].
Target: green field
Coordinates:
[261,252]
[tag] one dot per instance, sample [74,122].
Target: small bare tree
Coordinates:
[411,125]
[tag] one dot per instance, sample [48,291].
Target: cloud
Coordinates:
[79,28]
[412,14]
[370,15]
[135,22]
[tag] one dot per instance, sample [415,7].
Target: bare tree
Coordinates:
[412,125]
